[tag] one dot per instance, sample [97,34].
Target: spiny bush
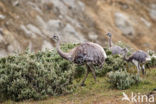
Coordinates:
[122,80]
[35,76]
[42,74]
[151,63]
[112,63]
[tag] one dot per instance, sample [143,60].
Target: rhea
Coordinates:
[87,53]
[138,58]
[115,49]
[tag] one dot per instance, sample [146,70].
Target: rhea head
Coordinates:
[56,38]
[125,50]
[109,34]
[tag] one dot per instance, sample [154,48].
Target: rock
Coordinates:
[1,37]
[92,36]
[30,46]
[152,11]
[46,45]
[74,22]
[124,24]
[14,47]
[27,32]
[71,35]
[54,25]
[76,4]
[70,3]
[2,16]
[35,7]
[59,4]
[15,3]
[44,26]
[57,26]
[41,22]
[34,29]
[3,53]
[70,30]
[138,1]
[82,5]
[148,24]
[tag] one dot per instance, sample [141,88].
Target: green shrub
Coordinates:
[151,63]
[35,76]
[79,71]
[38,75]
[112,63]
[122,80]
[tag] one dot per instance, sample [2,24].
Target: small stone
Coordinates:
[2,16]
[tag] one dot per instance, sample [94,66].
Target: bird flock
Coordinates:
[92,54]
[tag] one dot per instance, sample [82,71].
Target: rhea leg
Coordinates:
[84,79]
[143,69]
[136,63]
[93,73]
[139,68]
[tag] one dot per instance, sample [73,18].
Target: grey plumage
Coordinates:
[138,58]
[114,48]
[88,53]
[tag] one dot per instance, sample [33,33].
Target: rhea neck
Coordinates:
[110,41]
[125,57]
[61,53]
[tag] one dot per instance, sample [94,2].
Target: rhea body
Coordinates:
[138,58]
[87,53]
[115,49]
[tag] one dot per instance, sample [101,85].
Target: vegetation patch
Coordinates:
[35,76]
[122,80]
[112,63]
[42,74]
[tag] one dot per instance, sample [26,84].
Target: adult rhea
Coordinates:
[87,53]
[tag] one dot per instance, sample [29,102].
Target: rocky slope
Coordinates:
[26,23]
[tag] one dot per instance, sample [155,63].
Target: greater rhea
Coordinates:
[115,49]
[87,53]
[138,58]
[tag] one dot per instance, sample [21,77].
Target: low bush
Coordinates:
[122,80]
[112,63]
[35,76]
[38,75]
[152,62]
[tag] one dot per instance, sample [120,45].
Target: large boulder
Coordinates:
[123,23]
[46,45]
[152,11]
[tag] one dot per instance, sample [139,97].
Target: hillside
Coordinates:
[26,23]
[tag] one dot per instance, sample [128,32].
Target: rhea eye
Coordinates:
[55,37]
